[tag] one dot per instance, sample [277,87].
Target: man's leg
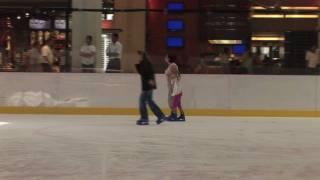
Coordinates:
[110,65]
[143,106]
[114,66]
[84,68]
[153,106]
[92,68]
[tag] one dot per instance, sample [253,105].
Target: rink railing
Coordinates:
[206,95]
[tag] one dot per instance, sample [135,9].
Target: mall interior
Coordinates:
[248,71]
[233,55]
[254,36]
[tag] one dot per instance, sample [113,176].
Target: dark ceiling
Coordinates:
[34,3]
[45,3]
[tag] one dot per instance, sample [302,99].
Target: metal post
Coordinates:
[67,49]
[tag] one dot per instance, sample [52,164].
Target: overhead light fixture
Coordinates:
[290,16]
[300,8]
[310,8]
[268,16]
[302,16]
[266,38]
[258,8]
[225,42]
[110,17]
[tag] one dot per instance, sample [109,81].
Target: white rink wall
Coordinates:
[238,92]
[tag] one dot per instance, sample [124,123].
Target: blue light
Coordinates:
[175,42]
[175,25]
[239,49]
[175,6]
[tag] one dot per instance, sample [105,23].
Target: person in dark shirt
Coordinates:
[147,74]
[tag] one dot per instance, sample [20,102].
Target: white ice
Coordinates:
[114,148]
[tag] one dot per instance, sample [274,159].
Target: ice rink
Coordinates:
[114,148]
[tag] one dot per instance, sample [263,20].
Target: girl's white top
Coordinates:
[177,89]
[174,79]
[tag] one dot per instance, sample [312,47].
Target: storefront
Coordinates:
[23,27]
[262,28]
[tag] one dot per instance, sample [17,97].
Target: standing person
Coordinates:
[62,60]
[146,72]
[56,61]
[47,55]
[312,58]
[88,53]
[114,52]
[225,60]
[247,62]
[34,58]
[175,93]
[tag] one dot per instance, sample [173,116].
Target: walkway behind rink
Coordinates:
[209,148]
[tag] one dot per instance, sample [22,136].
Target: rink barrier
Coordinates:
[135,112]
[203,95]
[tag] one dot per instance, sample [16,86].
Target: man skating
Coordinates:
[146,72]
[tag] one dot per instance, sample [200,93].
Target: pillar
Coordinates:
[83,24]
[133,36]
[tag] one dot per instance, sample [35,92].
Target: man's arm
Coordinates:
[83,53]
[151,75]
[117,52]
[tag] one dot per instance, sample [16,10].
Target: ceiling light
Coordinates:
[272,16]
[301,16]
[220,41]
[300,8]
[261,38]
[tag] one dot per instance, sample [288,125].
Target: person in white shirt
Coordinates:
[174,88]
[88,56]
[114,52]
[47,56]
[34,58]
[312,58]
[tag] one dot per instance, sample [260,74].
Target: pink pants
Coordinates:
[177,101]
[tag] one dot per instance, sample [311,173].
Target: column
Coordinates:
[83,24]
[133,35]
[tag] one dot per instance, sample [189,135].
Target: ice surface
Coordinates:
[114,148]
